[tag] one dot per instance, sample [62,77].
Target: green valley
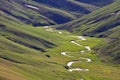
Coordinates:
[103,23]
[59,40]
[21,62]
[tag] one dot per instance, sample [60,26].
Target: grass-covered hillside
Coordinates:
[34,13]
[74,7]
[42,53]
[104,22]
[45,12]
[97,2]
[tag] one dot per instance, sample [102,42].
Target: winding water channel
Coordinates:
[70,63]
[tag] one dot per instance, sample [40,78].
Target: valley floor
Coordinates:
[73,58]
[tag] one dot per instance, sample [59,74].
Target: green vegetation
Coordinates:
[34,53]
[34,13]
[20,61]
[101,23]
[47,12]
[97,2]
[73,6]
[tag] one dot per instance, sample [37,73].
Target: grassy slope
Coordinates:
[45,15]
[76,7]
[21,57]
[97,2]
[101,23]
[70,5]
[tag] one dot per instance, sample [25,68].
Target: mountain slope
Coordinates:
[34,53]
[34,13]
[45,12]
[42,53]
[104,22]
[21,50]
[79,7]
[70,6]
[97,2]
[14,31]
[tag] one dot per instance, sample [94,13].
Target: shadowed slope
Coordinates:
[104,22]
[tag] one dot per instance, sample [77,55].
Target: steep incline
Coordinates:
[70,5]
[45,12]
[104,22]
[34,13]
[76,7]
[97,2]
